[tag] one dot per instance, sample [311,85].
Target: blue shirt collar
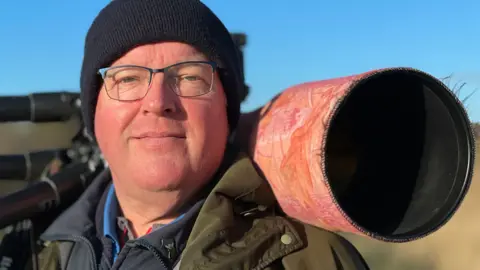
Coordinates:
[110,214]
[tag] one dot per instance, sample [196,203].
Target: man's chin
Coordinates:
[153,173]
[162,187]
[159,145]
[160,178]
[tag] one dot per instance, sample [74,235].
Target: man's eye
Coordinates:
[190,78]
[127,80]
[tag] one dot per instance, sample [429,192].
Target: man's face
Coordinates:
[163,141]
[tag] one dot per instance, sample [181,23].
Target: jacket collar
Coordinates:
[79,219]
[238,227]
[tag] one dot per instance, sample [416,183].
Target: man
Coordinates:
[160,84]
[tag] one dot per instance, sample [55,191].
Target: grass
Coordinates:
[455,246]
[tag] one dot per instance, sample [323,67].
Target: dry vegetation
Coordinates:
[454,247]
[476,128]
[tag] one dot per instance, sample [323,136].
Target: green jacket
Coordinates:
[239,227]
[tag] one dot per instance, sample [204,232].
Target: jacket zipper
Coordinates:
[145,244]
[76,239]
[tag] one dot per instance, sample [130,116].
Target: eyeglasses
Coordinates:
[186,79]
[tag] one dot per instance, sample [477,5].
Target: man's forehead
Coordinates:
[163,54]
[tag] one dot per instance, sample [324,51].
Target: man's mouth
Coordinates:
[159,135]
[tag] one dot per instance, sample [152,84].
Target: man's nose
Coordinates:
[160,99]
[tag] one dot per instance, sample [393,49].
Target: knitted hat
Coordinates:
[125,24]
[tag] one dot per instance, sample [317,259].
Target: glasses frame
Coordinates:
[103,71]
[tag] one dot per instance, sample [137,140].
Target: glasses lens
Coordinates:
[127,83]
[190,79]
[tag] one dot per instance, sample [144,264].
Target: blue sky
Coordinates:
[289,42]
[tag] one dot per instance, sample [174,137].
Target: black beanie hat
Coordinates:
[125,24]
